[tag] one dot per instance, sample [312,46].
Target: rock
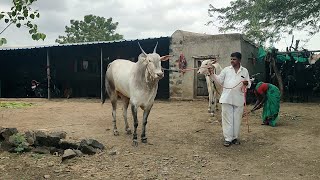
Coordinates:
[5,133]
[112,153]
[55,151]
[86,149]
[46,176]
[41,150]
[6,146]
[78,152]
[64,144]
[50,140]
[40,138]
[68,154]
[30,137]
[60,134]
[93,143]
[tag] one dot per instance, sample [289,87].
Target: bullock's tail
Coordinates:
[106,86]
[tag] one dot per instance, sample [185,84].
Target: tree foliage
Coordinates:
[267,20]
[92,28]
[21,14]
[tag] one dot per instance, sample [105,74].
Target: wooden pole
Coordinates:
[101,74]
[277,73]
[48,74]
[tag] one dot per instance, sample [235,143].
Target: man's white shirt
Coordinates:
[231,81]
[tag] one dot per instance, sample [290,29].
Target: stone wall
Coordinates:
[183,85]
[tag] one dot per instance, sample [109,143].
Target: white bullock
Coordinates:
[314,58]
[137,84]
[214,88]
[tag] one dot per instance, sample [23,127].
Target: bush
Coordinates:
[19,142]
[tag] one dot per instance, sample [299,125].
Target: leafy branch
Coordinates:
[21,14]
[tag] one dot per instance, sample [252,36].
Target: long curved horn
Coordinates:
[142,49]
[155,48]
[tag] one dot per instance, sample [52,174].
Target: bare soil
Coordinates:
[184,142]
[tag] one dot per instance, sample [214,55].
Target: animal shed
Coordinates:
[72,66]
[78,66]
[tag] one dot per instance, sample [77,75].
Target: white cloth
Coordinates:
[228,78]
[231,121]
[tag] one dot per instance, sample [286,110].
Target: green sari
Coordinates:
[271,105]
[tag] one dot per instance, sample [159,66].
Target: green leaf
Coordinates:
[18,25]
[42,36]
[25,13]
[3,41]
[91,28]
[1,16]
[6,20]
[32,16]
[38,15]
[34,36]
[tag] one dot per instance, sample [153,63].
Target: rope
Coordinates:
[243,89]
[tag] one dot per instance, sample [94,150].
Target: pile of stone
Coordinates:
[47,142]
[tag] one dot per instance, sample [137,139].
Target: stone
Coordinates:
[78,152]
[30,137]
[60,134]
[41,150]
[6,146]
[112,153]
[5,133]
[55,151]
[70,144]
[46,176]
[86,149]
[50,140]
[68,154]
[93,143]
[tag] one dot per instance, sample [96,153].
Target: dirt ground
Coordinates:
[184,142]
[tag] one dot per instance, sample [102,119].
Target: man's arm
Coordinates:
[260,101]
[220,78]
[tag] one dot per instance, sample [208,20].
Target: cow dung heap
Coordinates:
[47,142]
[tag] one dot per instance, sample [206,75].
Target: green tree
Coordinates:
[21,14]
[267,20]
[92,28]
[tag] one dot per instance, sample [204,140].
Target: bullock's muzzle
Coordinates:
[159,75]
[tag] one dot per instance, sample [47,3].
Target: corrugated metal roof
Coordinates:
[75,44]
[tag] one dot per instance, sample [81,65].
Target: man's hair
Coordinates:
[237,55]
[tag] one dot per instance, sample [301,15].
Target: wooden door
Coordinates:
[202,89]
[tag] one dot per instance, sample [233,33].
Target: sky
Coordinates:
[137,19]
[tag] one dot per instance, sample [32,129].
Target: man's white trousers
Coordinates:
[231,121]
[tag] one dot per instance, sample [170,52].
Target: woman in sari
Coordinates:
[268,96]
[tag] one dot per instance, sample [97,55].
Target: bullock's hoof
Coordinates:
[144,140]
[116,132]
[129,131]
[135,143]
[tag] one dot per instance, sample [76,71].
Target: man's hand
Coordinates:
[245,83]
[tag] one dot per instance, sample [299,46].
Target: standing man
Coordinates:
[234,80]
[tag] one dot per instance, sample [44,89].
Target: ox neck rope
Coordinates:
[148,72]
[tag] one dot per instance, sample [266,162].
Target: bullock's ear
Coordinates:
[142,56]
[213,61]
[165,58]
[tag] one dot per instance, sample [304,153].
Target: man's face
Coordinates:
[235,62]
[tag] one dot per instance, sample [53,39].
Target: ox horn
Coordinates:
[155,48]
[142,49]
